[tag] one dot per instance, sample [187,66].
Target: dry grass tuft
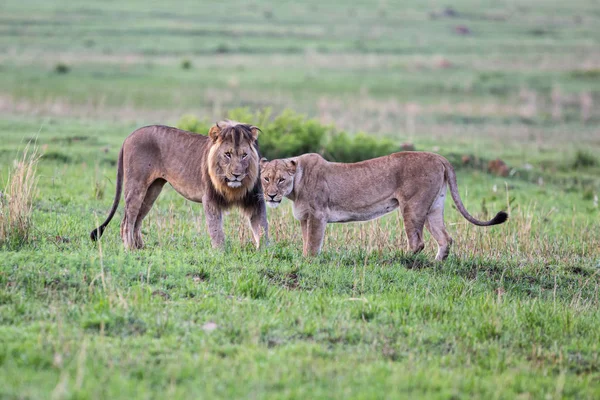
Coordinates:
[16,202]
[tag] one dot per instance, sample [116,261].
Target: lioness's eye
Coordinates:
[281,180]
[267,180]
[228,155]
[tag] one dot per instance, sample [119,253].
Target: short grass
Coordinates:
[513,313]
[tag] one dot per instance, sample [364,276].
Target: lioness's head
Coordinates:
[233,158]
[277,179]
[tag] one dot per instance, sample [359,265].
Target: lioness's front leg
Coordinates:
[316,233]
[214,220]
[304,224]
[259,225]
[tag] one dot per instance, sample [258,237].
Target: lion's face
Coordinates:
[234,164]
[233,158]
[277,179]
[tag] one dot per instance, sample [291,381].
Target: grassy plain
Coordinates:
[512,313]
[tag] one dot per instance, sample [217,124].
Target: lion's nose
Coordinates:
[272,196]
[236,175]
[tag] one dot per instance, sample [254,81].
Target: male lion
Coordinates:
[325,192]
[219,171]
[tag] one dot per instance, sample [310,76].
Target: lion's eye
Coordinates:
[228,155]
[244,156]
[281,180]
[267,180]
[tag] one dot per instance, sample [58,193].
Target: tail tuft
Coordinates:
[97,233]
[500,218]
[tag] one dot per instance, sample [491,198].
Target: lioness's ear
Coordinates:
[214,131]
[254,130]
[263,161]
[291,166]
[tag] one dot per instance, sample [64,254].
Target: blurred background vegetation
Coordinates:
[518,80]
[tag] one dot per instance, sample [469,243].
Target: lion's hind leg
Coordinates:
[134,198]
[151,195]
[435,225]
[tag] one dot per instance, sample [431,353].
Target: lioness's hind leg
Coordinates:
[413,226]
[435,225]
[151,196]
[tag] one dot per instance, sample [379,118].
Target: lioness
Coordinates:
[219,170]
[325,192]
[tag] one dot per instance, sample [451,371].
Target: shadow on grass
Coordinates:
[530,280]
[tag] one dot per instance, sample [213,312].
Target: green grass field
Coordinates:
[514,311]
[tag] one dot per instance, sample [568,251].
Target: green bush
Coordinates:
[361,146]
[291,134]
[193,124]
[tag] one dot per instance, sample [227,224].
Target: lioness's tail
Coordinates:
[97,233]
[451,178]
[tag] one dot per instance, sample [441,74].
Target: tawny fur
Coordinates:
[219,170]
[324,192]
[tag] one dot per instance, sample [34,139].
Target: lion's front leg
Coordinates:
[214,220]
[259,225]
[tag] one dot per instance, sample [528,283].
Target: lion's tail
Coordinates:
[97,232]
[451,179]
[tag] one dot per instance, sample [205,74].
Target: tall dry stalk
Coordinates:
[16,202]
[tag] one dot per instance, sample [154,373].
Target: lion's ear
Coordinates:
[214,132]
[254,130]
[291,166]
[263,161]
